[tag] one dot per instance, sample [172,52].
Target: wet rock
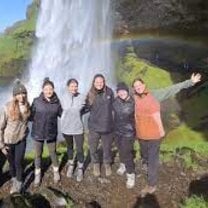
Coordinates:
[103,180]
[55,197]
[182,174]
[15,201]
[177,15]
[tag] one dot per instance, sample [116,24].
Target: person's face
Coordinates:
[73,88]
[99,83]
[21,98]
[123,94]
[139,87]
[48,91]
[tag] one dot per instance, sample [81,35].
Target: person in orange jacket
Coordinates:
[149,127]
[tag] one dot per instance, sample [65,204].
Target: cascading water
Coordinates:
[74,40]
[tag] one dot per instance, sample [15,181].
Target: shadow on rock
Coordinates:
[92,204]
[199,187]
[45,198]
[149,201]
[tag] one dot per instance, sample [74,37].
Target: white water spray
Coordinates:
[74,40]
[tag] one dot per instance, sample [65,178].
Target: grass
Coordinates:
[195,202]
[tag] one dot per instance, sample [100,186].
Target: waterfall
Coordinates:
[74,40]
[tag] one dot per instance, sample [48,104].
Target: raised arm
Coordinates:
[165,93]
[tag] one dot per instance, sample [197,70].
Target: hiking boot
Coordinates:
[18,186]
[56,175]
[37,179]
[70,169]
[13,186]
[122,169]
[108,170]
[144,167]
[96,169]
[148,190]
[80,172]
[130,183]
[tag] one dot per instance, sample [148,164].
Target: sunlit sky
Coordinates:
[12,11]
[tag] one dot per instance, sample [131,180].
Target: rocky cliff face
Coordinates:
[174,15]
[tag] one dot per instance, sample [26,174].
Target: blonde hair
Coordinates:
[14,111]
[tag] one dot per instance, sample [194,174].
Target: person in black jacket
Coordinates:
[124,130]
[99,101]
[45,110]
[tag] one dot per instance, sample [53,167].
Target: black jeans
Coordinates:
[126,152]
[107,140]
[150,150]
[16,153]
[79,141]
[39,151]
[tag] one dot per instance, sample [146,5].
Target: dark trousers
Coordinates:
[16,153]
[106,140]
[39,151]
[126,152]
[79,141]
[150,155]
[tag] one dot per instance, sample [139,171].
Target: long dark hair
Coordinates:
[72,80]
[92,93]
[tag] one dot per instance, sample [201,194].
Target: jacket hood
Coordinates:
[54,98]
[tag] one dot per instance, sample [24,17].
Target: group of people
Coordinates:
[116,118]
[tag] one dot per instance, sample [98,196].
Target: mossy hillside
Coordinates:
[16,43]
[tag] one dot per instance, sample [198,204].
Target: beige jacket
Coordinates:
[11,132]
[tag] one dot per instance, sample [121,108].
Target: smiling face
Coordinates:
[99,83]
[21,98]
[139,87]
[48,91]
[123,94]
[73,88]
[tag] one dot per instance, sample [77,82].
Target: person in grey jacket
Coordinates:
[72,126]
[13,133]
[149,127]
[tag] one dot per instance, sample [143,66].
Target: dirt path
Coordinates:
[174,185]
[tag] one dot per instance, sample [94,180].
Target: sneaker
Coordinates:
[148,190]
[108,170]
[37,179]
[130,183]
[122,169]
[79,172]
[56,175]
[70,170]
[13,187]
[144,167]
[96,169]
[18,186]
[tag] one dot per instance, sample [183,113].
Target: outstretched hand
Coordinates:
[195,78]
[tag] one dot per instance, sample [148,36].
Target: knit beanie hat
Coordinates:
[18,88]
[47,81]
[122,86]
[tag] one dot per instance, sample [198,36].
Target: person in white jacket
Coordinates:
[72,127]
